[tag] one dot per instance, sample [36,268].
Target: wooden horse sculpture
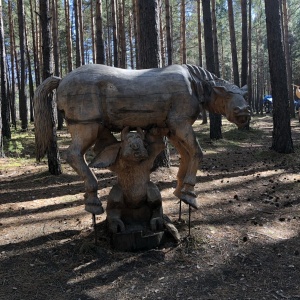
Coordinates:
[97,100]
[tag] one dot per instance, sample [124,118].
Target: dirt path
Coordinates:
[244,242]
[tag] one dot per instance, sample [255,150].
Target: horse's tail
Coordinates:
[43,117]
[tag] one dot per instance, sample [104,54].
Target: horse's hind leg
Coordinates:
[83,137]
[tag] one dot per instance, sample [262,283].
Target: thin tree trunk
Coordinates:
[114,25]
[22,96]
[100,57]
[93,30]
[33,35]
[12,63]
[215,39]
[161,34]
[5,119]
[68,37]
[168,33]
[250,91]
[108,40]
[288,58]
[30,79]
[182,33]
[130,19]
[244,64]
[122,41]
[199,34]
[136,31]
[235,67]
[81,38]
[215,119]
[77,30]
[52,152]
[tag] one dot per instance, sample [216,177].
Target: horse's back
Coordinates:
[122,97]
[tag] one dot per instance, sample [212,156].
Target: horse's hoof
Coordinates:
[189,198]
[93,208]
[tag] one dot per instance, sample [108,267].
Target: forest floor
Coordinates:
[244,241]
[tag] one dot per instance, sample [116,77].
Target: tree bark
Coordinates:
[100,56]
[52,152]
[77,30]
[199,34]
[114,25]
[281,137]
[215,38]
[235,67]
[149,53]
[288,58]
[68,36]
[244,43]
[12,63]
[182,33]
[168,33]
[5,119]
[215,119]
[22,95]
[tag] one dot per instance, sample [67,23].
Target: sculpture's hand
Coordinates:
[156,223]
[116,225]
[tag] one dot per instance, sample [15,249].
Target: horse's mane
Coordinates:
[199,74]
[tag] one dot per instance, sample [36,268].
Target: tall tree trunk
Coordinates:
[33,36]
[81,37]
[148,12]
[30,79]
[161,34]
[215,38]
[250,90]
[199,34]
[168,33]
[12,65]
[5,119]
[93,30]
[56,56]
[22,95]
[281,137]
[100,57]
[244,43]
[215,119]
[68,36]
[130,20]
[149,34]
[77,30]
[114,26]
[235,67]
[122,40]
[108,40]
[182,33]
[52,153]
[288,58]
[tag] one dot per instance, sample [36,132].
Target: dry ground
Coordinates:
[244,241]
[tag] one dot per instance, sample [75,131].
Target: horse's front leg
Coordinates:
[191,155]
[83,137]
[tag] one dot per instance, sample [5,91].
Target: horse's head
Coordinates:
[232,105]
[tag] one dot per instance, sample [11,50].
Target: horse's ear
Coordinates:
[244,90]
[220,91]
[140,132]
[107,157]
[124,132]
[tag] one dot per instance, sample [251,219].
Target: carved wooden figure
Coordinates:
[134,200]
[97,100]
